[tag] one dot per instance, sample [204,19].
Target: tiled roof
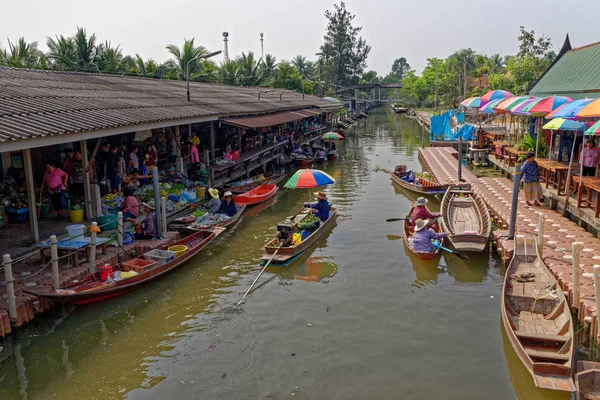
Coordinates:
[576,74]
[37,103]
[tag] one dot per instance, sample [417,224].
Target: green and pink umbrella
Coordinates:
[331,136]
[546,105]
[505,106]
[489,107]
[308,179]
[496,95]
[593,130]
[473,102]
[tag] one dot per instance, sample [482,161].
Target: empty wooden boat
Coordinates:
[466,219]
[587,380]
[241,188]
[409,230]
[257,195]
[537,318]
[418,184]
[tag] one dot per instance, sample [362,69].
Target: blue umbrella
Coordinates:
[569,110]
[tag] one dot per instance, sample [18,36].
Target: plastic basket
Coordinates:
[107,222]
[160,257]
[138,265]
[18,216]
[113,210]
[178,249]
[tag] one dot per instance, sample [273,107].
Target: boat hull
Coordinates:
[304,162]
[241,189]
[425,187]
[257,195]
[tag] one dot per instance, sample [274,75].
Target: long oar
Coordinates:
[255,280]
[402,219]
[456,253]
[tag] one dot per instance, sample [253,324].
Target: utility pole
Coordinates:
[262,49]
[225,47]
[436,86]
[465,81]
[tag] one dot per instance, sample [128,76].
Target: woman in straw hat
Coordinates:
[421,239]
[228,205]
[147,229]
[214,203]
[420,211]
[321,207]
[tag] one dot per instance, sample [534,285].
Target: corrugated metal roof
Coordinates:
[37,103]
[271,119]
[575,74]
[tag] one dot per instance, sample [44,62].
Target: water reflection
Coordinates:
[473,271]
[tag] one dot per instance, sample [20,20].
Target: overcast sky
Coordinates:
[393,28]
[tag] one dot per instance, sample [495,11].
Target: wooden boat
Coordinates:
[587,380]
[332,155]
[92,289]
[304,162]
[257,195]
[537,318]
[421,185]
[288,253]
[466,219]
[183,224]
[243,188]
[320,160]
[409,229]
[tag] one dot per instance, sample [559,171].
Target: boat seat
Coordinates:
[543,337]
[546,355]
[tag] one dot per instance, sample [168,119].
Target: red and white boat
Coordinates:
[257,195]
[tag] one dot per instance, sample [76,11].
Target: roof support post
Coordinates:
[33,213]
[87,189]
[213,156]
[179,162]
[239,137]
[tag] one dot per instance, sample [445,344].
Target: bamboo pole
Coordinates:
[54,261]
[575,261]
[10,287]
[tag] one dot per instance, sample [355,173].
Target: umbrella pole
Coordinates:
[550,152]
[537,138]
[581,163]
[567,183]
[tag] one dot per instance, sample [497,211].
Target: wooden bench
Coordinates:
[541,337]
[546,355]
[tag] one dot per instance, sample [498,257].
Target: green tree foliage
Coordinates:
[399,68]
[189,51]
[288,77]
[343,48]
[21,54]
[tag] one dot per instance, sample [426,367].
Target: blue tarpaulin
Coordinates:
[460,118]
[466,132]
[440,126]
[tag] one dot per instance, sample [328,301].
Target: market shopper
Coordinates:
[67,164]
[172,149]
[111,168]
[147,229]
[134,157]
[130,206]
[193,157]
[228,205]
[590,157]
[150,156]
[56,181]
[321,207]
[530,177]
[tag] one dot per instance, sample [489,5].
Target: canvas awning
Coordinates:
[262,121]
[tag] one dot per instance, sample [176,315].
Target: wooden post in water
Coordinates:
[540,241]
[93,235]
[422,135]
[597,286]
[54,261]
[576,254]
[515,202]
[120,230]
[163,209]
[157,203]
[459,159]
[10,287]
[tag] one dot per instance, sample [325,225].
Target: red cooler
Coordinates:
[106,270]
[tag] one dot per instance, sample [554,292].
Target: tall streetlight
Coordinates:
[187,68]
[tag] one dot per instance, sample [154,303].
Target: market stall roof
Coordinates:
[576,73]
[40,108]
[262,121]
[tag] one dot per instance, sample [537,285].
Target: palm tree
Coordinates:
[77,53]
[301,65]
[496,63]
[108,58]
[250,71]
[228,73]
[21,54]
[186,53]
[61,53]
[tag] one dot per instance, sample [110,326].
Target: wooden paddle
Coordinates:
[255,280]
[456,253]
[295,215]
[401,219]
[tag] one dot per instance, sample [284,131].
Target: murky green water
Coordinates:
[382,325]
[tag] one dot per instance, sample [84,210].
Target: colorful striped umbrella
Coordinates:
[519,109]
[331,135]
[590,110]
[546,105]
[496,94]
[569,110]
[503,106]
[489,107]
[473,102]
[561,124]
[593,130]
[309,178]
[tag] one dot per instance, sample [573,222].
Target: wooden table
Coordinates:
[74,248]
[592,184]
[511,151]
[554,168]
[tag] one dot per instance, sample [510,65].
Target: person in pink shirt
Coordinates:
[56,181]
[194,158]
[130,206]
[589,159]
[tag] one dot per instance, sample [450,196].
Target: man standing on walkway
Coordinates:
[589,159]
[172,149]
[530,176]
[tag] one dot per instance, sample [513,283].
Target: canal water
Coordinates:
[354,318]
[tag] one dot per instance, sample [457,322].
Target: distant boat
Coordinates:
[257,195]
[420,184]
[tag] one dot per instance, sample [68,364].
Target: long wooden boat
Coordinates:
[285,254]
[304,162]
[587,380]
[421,185]
[93,289]
[257,195]
[243,188]
[537,318]
[332,155]
[182,224]
[409,229]
[466,219]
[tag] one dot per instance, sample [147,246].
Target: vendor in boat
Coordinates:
[421,239]
[321,207]
[147,229]
[321,153]
[214,203]
[228,205]
[420,211]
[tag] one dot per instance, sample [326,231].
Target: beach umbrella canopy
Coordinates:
[473,102]
[594,129]
[561,124]
[496,94]
[489,107]
[503,106]
[308,179]
[331,135]
[569,110]
[546,105]
[520,109]
[592,109]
